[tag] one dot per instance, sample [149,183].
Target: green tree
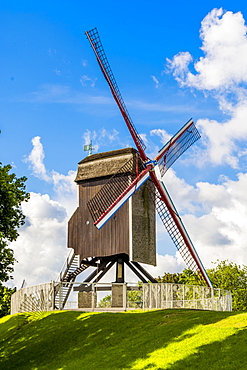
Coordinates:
[134,299]
[169,278]
[5,300]
[230,276]
[12,193]
[226,275]
[105,301]
[189,277]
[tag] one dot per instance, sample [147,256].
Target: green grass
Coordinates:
[164,339]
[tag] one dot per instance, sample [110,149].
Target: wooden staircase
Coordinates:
[67,276]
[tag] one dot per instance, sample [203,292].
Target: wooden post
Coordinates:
[93,295]
[120,270]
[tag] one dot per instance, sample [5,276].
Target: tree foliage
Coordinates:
[5,300]
[134,299]
[226,275]
[105,301]
[12,193]
[169,278]
[188,277]
[230,276]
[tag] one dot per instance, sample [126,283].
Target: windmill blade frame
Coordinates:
[177,145]
[99,52]
[116,192]
[165,158]
[176,229]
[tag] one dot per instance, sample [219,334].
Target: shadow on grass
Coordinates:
[74,340]
[228,354]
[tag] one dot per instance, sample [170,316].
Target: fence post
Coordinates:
[172,290]
[143,296]
[203,296]
[60,295]
[162,296]
[156,303]
[166,294]
[124,296]
[93,293]
[53,295]
[183,295]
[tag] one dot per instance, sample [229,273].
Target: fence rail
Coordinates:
[115,296]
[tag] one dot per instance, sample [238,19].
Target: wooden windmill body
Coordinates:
[118,194]
[131,232]
[115,220]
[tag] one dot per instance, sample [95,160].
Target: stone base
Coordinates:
[85,300]
[118,295]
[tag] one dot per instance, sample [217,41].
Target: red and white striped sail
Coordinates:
[108,212]
[116,192]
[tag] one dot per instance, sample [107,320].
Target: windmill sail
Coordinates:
[175,147]
[177,231]
[111,198]
[117,191]
[98,49]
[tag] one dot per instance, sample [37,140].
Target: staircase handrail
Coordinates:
[65,266]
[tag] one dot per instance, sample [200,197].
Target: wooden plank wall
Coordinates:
[85,238]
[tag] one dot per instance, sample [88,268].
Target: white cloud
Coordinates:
[222,71]
[179,66]
[159,107]
[165,137]
[41,246]
[58,72]
[85,80]
[166,263]
[84,62]
[63,185]
[156,81]
[101,138]
[222,140]
[88,136]
[144,138]
[110,135]
[36,158]
[224,44]
[63,94]
[50,93]
[220,232]
[52,51]
[215,216]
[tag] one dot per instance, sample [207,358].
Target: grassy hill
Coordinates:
[164,339]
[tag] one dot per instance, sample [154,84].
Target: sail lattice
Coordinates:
[176,148]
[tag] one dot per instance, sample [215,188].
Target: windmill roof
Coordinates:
[103,164]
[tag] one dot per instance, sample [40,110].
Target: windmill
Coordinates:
[111,198]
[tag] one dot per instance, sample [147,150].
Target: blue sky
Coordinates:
[170,67]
